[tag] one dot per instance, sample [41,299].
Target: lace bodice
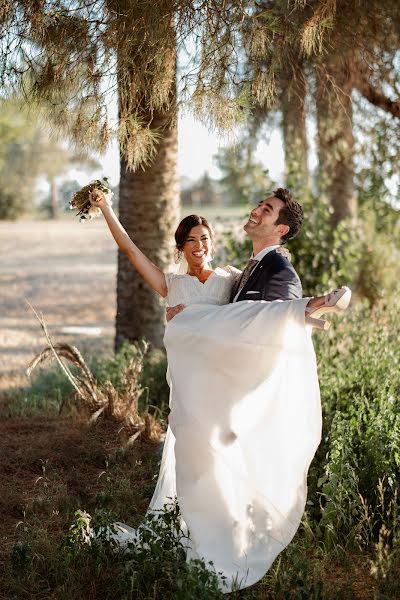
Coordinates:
[187,289]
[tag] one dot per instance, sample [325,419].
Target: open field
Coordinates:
[67,271]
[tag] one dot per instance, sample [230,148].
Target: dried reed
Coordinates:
[120,406]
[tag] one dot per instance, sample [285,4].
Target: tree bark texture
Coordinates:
[149,211]
[293,98]
[335,137]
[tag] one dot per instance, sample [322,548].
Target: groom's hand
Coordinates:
[172,311]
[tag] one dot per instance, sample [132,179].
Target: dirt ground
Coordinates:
[50,467]
[67,271]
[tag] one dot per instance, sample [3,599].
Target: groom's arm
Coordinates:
[284,284]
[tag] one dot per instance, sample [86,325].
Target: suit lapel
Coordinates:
[263,264]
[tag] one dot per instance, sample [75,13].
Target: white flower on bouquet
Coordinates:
[81,202]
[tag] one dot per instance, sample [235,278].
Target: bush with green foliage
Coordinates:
[357,469]
[90,564]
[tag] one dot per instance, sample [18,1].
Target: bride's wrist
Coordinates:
[106,207]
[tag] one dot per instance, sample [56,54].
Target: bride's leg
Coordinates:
[315,302]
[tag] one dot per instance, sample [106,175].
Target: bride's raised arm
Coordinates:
[152,274]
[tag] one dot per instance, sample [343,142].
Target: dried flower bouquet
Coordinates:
[81,202]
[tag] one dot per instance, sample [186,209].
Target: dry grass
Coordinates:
[120,406]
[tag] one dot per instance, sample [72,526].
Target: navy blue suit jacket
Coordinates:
[274,278]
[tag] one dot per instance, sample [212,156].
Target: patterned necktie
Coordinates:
[246,274]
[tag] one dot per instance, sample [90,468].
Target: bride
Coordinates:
[245,416]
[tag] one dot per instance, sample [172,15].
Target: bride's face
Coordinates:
[197,247]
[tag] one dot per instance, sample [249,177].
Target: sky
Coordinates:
[197,148]
[197,145]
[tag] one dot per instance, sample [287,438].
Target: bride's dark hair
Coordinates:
[185,227]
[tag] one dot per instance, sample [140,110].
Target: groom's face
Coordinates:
[262,221]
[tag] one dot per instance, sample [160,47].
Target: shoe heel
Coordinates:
[318,323]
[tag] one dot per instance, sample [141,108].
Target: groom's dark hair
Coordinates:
[291,214]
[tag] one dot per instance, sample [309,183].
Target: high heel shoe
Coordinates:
[336,301]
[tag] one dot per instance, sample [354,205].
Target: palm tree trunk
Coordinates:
[335,138]
[149,211]
[293,99]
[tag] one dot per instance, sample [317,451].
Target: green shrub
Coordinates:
[155,564]
[379,271]
[359,454]
[90,564]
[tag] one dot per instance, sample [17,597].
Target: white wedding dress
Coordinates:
[244,425]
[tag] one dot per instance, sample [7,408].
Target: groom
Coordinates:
[269,275]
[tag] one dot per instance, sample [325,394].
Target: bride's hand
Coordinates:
[98,199]
[285,252]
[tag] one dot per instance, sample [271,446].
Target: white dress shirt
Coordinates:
[263,252]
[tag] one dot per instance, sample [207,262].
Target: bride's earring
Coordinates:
[177,256]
